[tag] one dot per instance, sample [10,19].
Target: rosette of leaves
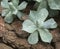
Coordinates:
[44,4]
[36,25]
[12,8]
[54,4]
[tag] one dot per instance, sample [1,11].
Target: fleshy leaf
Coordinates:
[42,14]
[15,2]
[15,11]
[45,35]
[8,18]
[33,38]
[5,12]
[43,4]
[40,23]
[22,5]
[5,4]
[54,4]
[50,23]
[29,26]
[33,16]
[38,0]
[19,14]
[12,7]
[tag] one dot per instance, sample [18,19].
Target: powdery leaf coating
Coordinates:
[54,4]
[29,26]
[33,38]
[45,35]
[38,0]
[12,8]
[22,5]
[37,24]
[50,23]
[4,4]
[8,18]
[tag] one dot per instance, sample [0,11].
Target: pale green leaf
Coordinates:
[12,7]
[38,0]
[29,26]
[5,12]
[22,6]
[33,38]
[8,18]
[19,14]
[50,23]
[5,4]
[15,11]
[15,2]
[33,16]
[42,14]
[42,4]
[45,35]
[40,24]
[54,4]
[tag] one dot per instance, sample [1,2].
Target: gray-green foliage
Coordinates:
[54,4]
[12,8]
[36,24]
[51,5]
[38,0]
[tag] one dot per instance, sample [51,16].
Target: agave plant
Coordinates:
[36,24]
[12,8]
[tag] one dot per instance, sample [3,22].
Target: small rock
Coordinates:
[57,45]
[24,17]
[3,46]
[49,46]
[42,46]
[11,39]
[9,36]
[22,43]
[2,27]
[17,25]
[9,27]
[56,34]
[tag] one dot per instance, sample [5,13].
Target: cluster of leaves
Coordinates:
[35,24]
[54,4]
[12,8]
[51,5]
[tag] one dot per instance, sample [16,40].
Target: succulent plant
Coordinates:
[12,8]
[54,4]
[44,4]
[36,24]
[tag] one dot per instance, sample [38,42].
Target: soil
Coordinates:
[12,36]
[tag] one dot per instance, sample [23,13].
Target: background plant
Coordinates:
[36,24]
[12,8]
[51,5]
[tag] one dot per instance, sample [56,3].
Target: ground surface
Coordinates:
[12,37]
